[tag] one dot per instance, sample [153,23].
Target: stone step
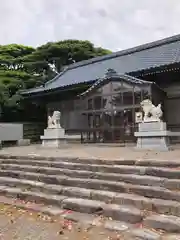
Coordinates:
[138,162]
[117,212]
[124,213]
[147,191]
[142,234]
[163,222]
[79,166]
[125,230]
[127,214]
[86,221]
[68,159]
[156,192]
[140,202]
[127,178]
[146,234]
[120,169]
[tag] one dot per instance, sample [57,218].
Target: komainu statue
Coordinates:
[151,113]
[54,120]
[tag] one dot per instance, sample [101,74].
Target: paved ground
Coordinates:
[108,152]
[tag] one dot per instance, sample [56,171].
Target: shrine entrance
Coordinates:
[107,128]
[110,108]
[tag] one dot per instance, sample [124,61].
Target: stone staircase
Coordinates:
[127,193]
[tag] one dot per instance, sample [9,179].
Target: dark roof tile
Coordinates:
[162,52]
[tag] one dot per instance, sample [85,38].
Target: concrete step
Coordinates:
[120,169]
[139,162]
[128,178]
[140,202]
[121,213]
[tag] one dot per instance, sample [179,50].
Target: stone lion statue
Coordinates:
[54,120]
[151,113]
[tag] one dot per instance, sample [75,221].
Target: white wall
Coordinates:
[11,131]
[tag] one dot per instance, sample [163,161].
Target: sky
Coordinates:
[111,24]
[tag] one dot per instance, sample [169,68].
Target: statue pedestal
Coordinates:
[53,137]
[153,136]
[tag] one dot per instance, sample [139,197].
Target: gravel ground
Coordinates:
[25,225]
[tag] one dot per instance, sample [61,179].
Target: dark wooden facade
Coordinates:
[105,112]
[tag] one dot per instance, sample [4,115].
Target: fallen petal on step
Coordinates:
[67,212]
[69,227]
[139,225]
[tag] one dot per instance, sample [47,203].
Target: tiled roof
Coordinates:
[151,55]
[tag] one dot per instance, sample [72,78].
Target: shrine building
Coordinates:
[98,98]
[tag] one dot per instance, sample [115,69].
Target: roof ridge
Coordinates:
[125,77]
[138,48]
[29,89]
[57,76]
[134,78]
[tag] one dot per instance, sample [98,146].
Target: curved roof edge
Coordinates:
[111,74]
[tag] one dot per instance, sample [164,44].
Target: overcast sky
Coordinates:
[113,24]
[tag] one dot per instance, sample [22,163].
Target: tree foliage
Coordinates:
[23,67]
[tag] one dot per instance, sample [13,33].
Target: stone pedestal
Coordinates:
[153,136]
[53,137]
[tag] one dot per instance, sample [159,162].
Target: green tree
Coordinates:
[63,53]
[23,67]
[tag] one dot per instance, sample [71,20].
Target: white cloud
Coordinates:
[113,24]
